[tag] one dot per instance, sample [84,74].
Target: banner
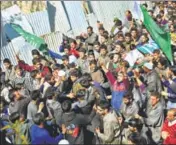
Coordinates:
[148,48]
[132,56]
[162,38]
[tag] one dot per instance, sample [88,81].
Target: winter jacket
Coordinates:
[20,105]
[118,90]
[154,120]
[41,136]
[84,65]
[153,82]
[111,129]
[74,123]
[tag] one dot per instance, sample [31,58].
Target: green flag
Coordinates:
[161,37]
[37,42]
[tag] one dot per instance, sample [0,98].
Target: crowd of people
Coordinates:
[94,96]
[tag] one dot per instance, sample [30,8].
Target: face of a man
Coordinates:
[115,58]
[93,67]
[120,77]
[18,72]
[81,54]
[134,34]
[154,100]
[38,66]
[66,51]
[89,31]
[73,45]
[103,52]
[73,78]
[127,39]
[100,111]
[38,76]
[126,101]
[7,65]
[91,57]
[170,116]
[97,47]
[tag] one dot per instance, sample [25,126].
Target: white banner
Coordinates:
[132,56]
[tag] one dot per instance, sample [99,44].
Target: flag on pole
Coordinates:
[161,37]
[35,41]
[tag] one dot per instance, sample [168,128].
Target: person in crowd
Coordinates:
[39,135]
[74,124]
[152,78]
[168,130]
[18,103]
[10,70]
[53,106]
[34,106]
[110,123]
[136,125]
[92,37]
[36,66]
[129,107]
[82,62]
[73,49]
[96,73]
[170,83]
[103,58]
[119,87]
[154,117]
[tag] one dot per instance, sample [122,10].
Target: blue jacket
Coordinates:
[41,136]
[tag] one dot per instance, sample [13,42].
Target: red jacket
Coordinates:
[44,70]
[74,52]
[171,139]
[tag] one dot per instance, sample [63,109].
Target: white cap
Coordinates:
[61,73]
[64,141]
[149,65]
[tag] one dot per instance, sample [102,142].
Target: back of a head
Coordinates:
[34,73]
[135,138]
[85,83]
[38,118]
[128,95]
[35,52]
[104,104]
[66,106]
[14,117]
[35,94]
[74,73]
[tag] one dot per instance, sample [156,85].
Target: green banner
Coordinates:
[162,38]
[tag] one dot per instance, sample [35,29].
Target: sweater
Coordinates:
[118,90]
[41,136]
[171,129]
